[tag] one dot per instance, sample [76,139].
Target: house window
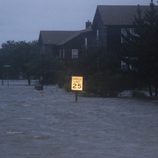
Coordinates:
[123,65]
[86,43]
[97,34]
[62,53]
[74,53]
[124,33]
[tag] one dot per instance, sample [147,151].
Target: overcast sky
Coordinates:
[23,19]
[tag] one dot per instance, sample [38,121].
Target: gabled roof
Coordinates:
[118,14]
[56,37]
[60,37]
[75,35]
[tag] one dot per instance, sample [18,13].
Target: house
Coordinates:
[76,46]
[66,45]
[105,32]
[50,40]
[110,22]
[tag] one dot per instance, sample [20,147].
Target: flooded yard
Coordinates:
[49,124]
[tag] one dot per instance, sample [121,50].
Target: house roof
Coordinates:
[60,37]
[118,14]
[75,35]
[56,37]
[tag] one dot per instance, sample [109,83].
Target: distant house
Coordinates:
[76,46]
[49,41]
[66,45]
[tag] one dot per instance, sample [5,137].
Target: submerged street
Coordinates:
[49,124]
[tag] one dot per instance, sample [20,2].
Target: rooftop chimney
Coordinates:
[88,24]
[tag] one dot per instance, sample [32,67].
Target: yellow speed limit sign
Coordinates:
[77,83]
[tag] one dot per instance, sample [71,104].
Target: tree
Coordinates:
[140,50]
[23,58]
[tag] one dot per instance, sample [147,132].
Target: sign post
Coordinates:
[77,85]
[76,97]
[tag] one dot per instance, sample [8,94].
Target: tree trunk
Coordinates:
[28,79]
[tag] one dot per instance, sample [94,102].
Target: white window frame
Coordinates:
[63,54]
[86,42]
[97,35]
[74,53]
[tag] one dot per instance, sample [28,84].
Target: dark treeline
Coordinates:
[22,60]
[19,60]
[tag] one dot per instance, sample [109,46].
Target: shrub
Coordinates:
[138,94]
[107,85]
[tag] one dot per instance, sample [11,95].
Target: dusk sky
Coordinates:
[23,19]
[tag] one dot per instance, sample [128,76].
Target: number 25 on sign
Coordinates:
[77,83]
